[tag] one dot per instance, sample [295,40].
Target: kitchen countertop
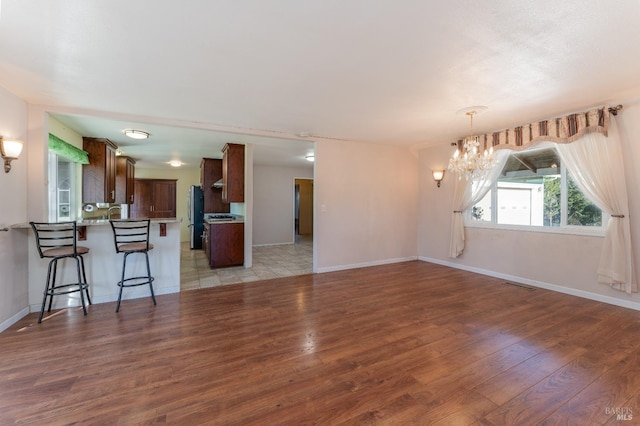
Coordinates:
[100,222]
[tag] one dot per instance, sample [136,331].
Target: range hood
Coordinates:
[217,184]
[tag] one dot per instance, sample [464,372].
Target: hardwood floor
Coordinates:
[408,343]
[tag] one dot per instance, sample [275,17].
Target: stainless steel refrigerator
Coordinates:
[195,208]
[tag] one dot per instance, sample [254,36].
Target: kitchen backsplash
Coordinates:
[97,211]
[238,208]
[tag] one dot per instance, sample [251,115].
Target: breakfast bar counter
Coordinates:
[104,266]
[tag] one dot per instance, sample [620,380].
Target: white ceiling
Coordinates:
[365,70]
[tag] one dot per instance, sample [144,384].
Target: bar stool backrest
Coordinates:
[55,239]
[131,234]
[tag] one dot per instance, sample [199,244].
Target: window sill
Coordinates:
[578,231]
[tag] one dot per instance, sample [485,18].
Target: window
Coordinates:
[62,188]
[535,189]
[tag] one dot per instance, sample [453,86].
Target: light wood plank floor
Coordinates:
[408,343]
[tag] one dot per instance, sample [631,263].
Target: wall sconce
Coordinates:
[10,150]
[437,176]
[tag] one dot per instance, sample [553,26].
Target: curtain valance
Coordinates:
[65,149]
[560,130]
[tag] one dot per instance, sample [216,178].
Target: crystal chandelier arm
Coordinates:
[467,161]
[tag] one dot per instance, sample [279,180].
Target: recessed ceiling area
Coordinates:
[187,145]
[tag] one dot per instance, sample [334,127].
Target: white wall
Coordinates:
[564,262]
[13,193]
[68,135]
[273,203]
[366,204]
[38,151]
[186,177]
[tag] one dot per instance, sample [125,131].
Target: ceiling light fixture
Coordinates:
[468,162]
[136,134]
[10,150]
[175,163]
[310,157]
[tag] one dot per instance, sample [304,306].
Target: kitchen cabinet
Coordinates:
[211,172]
[233,173]
[125,181]
[224,243]
[154,198]
[99,176]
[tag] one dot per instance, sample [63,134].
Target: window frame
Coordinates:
[52,187]
[564,228]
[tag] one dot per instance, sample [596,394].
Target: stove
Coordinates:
[214,217]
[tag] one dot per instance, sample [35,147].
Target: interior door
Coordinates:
[305,206]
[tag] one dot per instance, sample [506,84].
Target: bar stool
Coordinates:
[132,236]
[57,241]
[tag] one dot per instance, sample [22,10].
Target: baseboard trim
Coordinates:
[14,319]
[553,287]
[366,264]
[274,244]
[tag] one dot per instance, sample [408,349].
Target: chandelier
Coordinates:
[470,163]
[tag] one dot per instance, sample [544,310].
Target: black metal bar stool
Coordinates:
[132,236]
[57,241]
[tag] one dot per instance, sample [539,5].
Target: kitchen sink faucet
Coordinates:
[110,209]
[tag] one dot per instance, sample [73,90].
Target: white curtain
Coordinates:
[466,194]
[595,162]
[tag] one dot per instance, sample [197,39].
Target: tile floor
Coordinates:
[268,262]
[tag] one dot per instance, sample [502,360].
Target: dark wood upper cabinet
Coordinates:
[233,173]
[99,176]
[154,198]
[211,172]
[125,171]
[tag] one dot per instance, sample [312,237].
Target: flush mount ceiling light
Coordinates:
[136,134]
[310,157]
[175,163]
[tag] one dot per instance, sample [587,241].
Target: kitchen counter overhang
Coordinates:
[97,222]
